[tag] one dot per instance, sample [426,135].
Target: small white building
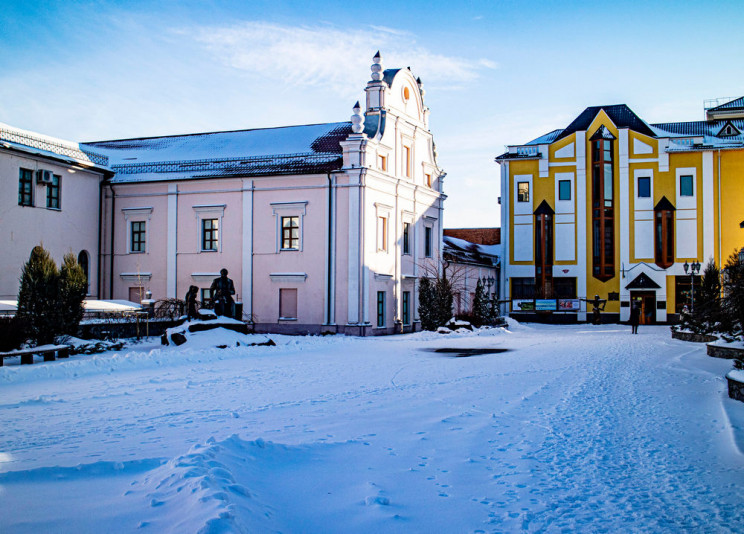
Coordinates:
[51,198]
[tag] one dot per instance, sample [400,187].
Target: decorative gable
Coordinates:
[728,130]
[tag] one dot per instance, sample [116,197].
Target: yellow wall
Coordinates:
[521,167]
[732,200]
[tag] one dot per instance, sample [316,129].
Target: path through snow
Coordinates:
[572,428]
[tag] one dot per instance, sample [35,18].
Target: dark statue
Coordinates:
[222,291]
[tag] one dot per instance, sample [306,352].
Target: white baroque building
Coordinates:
[322,227]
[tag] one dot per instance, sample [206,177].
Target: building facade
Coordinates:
[614,207]
[51,199]
[322,227]
[470,255]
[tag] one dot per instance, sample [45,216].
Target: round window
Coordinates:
[406,94]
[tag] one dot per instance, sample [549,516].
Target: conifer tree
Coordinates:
[733,289]
[707,317]
[38,297]
[443,300]
[481,312]
[73,286]
[426,305]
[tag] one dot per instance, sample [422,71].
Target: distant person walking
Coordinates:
[635,316]
[222,291]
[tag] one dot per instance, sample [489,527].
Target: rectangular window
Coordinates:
[522,288]
[288,303]
[210,234]
[406,238]
[427,179]
[564,189]
[406,307]
[290,233]
[53,192]
[427,242]
[206,297]
[382,233]
[523,192]
[644,187]
[25,188]
[407,160]
[564,287]
[137,236]
[382,162]
[685,185]
[380,309]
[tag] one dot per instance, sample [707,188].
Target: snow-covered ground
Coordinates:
[572,428]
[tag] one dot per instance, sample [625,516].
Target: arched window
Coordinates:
[603,205]
[544,250]
[664,233]
[83,261]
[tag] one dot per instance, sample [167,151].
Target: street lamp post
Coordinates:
[694,269]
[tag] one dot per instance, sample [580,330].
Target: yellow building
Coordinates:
[616,207]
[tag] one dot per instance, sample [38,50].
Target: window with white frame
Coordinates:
[428,244]
[138,236]
[137,220]
[289,223]
[406,238]
[210,234]
[382,233]
[382,162]
[209,221]
[290,233]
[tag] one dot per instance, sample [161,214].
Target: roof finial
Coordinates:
[357,119]
[377,67]
[421,87]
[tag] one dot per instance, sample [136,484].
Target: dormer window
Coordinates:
[728,130]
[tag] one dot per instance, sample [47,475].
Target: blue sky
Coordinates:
[495,73]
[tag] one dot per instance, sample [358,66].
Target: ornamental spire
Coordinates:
[376,67]
[357,119]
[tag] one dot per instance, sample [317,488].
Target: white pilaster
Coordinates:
[624,197]
[353,255]
[708,214]
[247,263]
[171,275]
[581,226]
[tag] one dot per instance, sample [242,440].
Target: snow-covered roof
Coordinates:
[462,251]
[306,149]
[47,146]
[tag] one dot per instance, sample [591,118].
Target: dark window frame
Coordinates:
[686,187]
[26,187]
[53,190]
[561,184]
[523,196]
[646,188]
[544,255]
[664,238]
[380,309]
[290,239]
[138,237]
[206,297]
[522,288]
[603,210]
[428,248]
[406,307]
[210,235]
[406,238]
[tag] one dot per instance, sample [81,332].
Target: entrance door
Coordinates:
[647,300]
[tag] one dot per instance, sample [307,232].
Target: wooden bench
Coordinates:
[49,352]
